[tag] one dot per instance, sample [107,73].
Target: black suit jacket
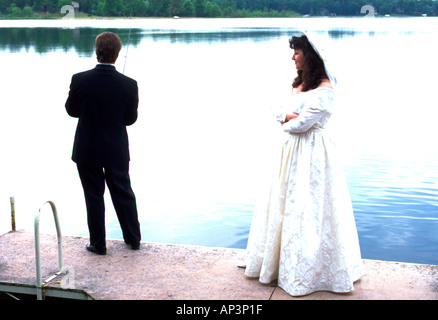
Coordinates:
[105,101]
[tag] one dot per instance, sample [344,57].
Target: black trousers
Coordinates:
[93,180]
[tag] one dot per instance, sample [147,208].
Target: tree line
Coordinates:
[217,8]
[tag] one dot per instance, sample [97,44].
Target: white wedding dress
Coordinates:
[304,233]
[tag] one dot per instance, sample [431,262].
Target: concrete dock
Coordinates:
[178,272]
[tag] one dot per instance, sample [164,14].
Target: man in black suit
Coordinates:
[105,101]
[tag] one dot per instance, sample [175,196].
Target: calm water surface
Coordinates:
[203,144]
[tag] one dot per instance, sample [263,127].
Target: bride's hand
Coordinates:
[291,116]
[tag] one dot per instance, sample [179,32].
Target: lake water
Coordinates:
[203,144]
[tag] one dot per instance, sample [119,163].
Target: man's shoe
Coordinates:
[96,250]
[133,246]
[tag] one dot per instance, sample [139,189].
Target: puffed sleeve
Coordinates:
[314,110]
[279,113]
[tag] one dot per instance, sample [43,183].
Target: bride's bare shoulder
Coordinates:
[297,90]
[325,84]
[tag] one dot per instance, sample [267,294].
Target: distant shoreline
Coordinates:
[89,17]
[57,16]
[331,24]
[312,22]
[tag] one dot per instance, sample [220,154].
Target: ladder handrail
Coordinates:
[39,282]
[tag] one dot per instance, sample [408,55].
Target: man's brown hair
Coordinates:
[108,46]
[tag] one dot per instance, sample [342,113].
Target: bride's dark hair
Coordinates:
[313,71]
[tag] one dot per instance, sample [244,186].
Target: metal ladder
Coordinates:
[39,283]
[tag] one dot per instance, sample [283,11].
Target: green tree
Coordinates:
[27,12]
[334,6]
[212,9]
[108,7]
[199,8]
[227,9]
[62,3]
[4,6]
[386,8]
[158,8]
[114,7]
[216,8]
[51,6]
[164,12]
[176,7]
[19,3]
[100,7]
[188,9]
[136,8]
[85,5]
[37,5]
[14,10]
[154,7]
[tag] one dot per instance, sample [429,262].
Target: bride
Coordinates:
[305,234]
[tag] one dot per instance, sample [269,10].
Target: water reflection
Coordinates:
[81,40]
[396,207]
[44,40]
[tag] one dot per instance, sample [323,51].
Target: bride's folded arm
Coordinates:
[306,120]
